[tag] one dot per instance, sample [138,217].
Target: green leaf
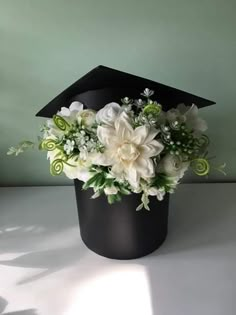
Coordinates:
[100,181]
[118,197]
[145,201]
[124,190]
[22,146]
[26,144]
[140,207]
[109,182]
[11,151]
[91,181]
[111,199]
[97,194]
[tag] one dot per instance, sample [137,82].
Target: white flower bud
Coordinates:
[111,190]
[86,117]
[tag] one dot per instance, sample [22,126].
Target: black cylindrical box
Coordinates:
[118,231]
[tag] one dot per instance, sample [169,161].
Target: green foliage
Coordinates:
[163,181]
[94,181]
[100,180]
[152,109]
[113,198]
[22,147]
[221,168]
[145,202]
[56,167]
[61,123]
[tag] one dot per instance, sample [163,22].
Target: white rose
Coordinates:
[108,114]
[111,190]
[79,170]
[87,117]
[172,166]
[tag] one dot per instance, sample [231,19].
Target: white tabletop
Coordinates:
[45,269]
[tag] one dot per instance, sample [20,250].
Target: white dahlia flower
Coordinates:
[128,151]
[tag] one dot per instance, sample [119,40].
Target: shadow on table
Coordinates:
[200,222]
[34,219]
[51,260]
[4,303]
[43,235]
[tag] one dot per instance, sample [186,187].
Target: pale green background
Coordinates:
[45,45]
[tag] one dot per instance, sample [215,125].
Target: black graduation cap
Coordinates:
[103,85]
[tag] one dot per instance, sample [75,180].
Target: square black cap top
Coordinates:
[103,85]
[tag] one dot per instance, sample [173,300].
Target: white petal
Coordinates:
[108,114]
[192,111]
[160,195]
[70,172]
[106,135]
[182,108]
[172,114]
[104,159]
[76,106]
[51,154]
[79,171]
[172,166]
[144,167]
[64,112]
[152,191]
[140,134]
[117,170]
[152,134]
[50,123]
[83,175]
[152,149]
[123,127]
[132,176]
[200,125]
[110,190]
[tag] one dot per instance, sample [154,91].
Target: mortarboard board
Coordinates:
[103,85]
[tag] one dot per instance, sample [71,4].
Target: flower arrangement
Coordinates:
[132,147]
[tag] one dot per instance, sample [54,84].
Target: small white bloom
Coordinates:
[147,92]
[87,117]
[139,102]
[110,190]
[189,116]
[83,154]
[193,121]
[108,114]
[69,146]
[72,111]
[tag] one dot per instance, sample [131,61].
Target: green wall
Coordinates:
[45,45]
